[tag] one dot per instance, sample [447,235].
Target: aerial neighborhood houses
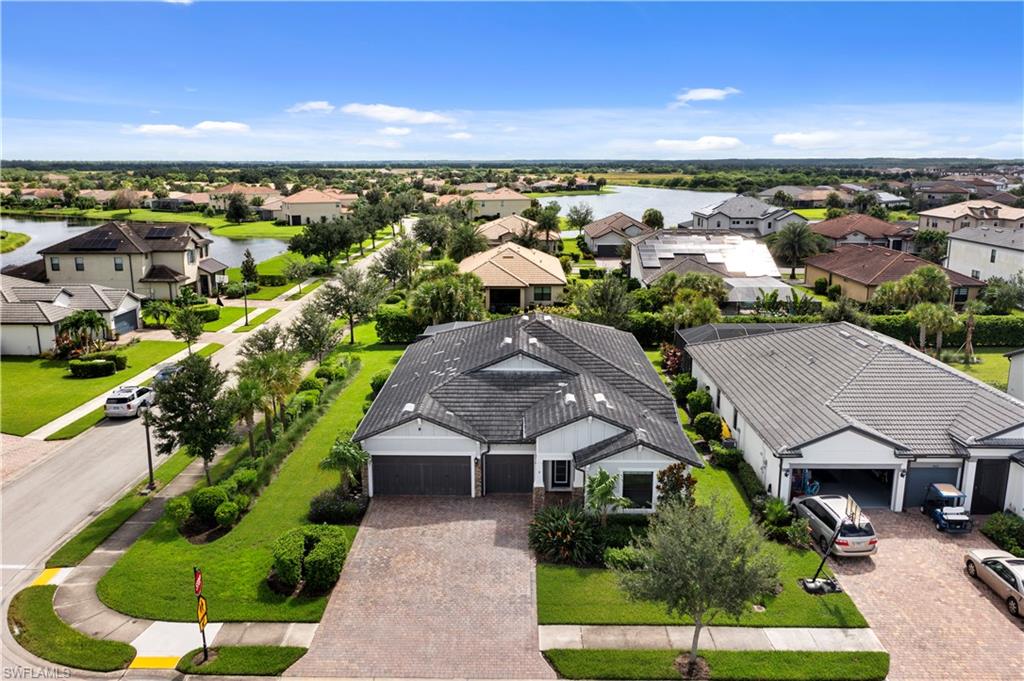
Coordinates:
[516,278]
[744,214]
[610,236]
[314,205]
[859,270]
[823,196]
[532,404]
[745,265]
[503,230]
[864,230]
[220,196]
[855,412]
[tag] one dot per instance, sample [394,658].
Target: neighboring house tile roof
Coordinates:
[941,188]
[514,225]
[616,223]
[791,189]
[500,194]
[871,227]
[245,189]
[312,195]
[686,250]
[594,371]
[163,273]
[873,265]
[982,209]
[1012,239]
[477,187]
[514,266]
[212,265]
[748,208]
[31,302]
[798,386]
[709,332]
[130,237]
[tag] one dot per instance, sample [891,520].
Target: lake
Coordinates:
[677,205]
[48,231]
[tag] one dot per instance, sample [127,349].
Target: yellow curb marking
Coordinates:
[154,663]
[45,577]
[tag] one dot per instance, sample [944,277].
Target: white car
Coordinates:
[125,402]
[1002,572]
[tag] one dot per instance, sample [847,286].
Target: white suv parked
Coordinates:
[126,401]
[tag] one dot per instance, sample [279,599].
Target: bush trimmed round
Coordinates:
[226,514]
[205,502]
[179,509]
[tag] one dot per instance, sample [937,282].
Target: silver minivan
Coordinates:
[824,513]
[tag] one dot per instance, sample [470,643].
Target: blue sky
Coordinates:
[319,81]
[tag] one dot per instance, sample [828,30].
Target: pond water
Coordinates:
[677,205]
[48,231]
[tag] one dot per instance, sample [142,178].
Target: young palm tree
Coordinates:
[159,310]
[922,314]
[250,396]
[285,374]
[927,284]
[86,326]
[792,243]
[601,496]
[346,457]
[946,319]
[971,308]
[676,314]
[259,369]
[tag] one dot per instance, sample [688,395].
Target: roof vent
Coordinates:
[844,334]
[409,408]
[547,318]
[570,398]
[525,317]
[861,343]
[533,341]
[506,341]
[641,433]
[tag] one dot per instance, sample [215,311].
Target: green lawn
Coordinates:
[228,315]
[819,214]
[306,290]
[570,595]
[257,230]
[98,414]
[993,368]
[151,580]
[243,660]
[257,319]
[37,628]
[218,223]
[273,265]
[35,391]
[569,246]
[725,665]
[12,240]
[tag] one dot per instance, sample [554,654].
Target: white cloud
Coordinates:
[460,136]
[191,89]
[818,139]
[179,2]
[378,142]
[705,143]
[316,106]
[166,129]
[221,126]
[395,114]
[393,131]
[703,94]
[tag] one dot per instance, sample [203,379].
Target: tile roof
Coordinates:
[516,225]
[163,273]
[500,194]
[131,237]
[617,223]
[983,209]
[246,189]
[510,264]
[873,265]
[843,226]
[746,207]
[1012,239]
[803,384]
[212,265]
[31,302]
[708,332]
[444,379]
[688,250]
[313,195]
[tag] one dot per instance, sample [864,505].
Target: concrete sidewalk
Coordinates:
[78,412]
[711,638]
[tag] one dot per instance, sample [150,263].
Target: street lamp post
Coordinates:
[245,297]
[146,422]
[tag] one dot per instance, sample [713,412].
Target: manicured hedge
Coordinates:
[1006,530]
[273,280]
[119,359]
[394,326]
[989,330]
[92,368]
[650,329]
[314,552]
[208,312]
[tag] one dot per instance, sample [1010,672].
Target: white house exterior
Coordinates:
[313,205]
[499,203]
[1015,378]
[220,196]
[973,213]
[609,235]
[31,312]
[529,404]
[745,214]
[986,252]
[856,412]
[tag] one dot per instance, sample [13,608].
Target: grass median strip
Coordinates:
[36,627]
[243,660]
[256,320]
[228,315]
[146,581]
[725,665]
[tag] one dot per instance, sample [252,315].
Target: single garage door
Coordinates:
[126,321]
[608,250]
[508,473]
[920,478]
[440,475]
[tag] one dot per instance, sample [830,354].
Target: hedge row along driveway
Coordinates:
[154,578]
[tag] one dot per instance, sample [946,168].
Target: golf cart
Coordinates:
[944,504]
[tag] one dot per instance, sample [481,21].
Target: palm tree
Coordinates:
[794,242]
[946,319]
[928,284]
[85,325]
[702,310]
[159,310]
[259,369]
[675,314]
[285,374]
[250,396]
[971,308]
[346,457]
[601,496]
[922,314]
[465,240]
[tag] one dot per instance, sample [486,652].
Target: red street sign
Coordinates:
[199,581]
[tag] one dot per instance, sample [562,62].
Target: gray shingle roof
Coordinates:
[30,302]
[1011,239]
[444,380]
[709,332]
[743,207]
[798,385]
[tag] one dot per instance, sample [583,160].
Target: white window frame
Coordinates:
[654,488]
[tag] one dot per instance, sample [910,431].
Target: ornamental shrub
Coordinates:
[246,480]
[649,328]
[1006,530]
[288,552]
[708,425]
[395,326]
[682,385]
[622,530]
[751,485]
[179,509]
[208,312]
[226,514]
[325,372]
[698,402]
[273,280]
[205,502]
[334,507]
[565,534]
[119,359]
[625,558]
[378,380]
[676,483]
[311,383]
[671,359]
[776,519]
[242,501]
[725,457]
[820,285]
[314,552]
[91,368]
[834,292]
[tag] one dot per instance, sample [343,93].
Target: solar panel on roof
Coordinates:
[160,233]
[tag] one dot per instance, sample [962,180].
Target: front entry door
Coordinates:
[990,486]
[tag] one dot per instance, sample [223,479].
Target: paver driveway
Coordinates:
[434,587]
[935,621]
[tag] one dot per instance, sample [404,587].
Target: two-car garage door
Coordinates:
[440,475]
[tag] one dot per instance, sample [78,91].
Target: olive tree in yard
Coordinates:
[352,295]
[312,332]
[699,562]
[187,325]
